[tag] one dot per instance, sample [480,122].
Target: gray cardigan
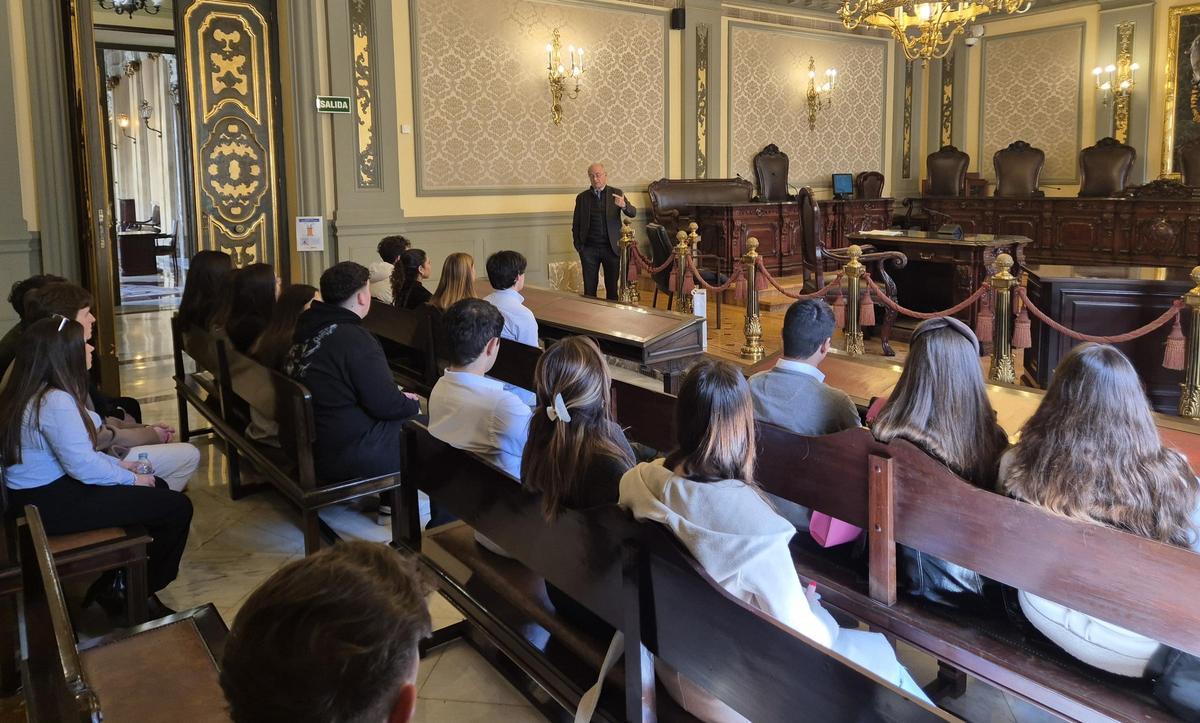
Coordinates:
[799,402]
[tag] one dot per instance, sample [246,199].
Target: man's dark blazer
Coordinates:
[583,216]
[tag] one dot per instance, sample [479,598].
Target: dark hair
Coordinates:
[328,638]
[806,326]
[503,268]
[342,280]
[249,302]
[391,247]
[558,453]
[62,298]
[51,356]
[714,423]
[273,343]
[204,292]
[405,276]
[16,297]
[469,325]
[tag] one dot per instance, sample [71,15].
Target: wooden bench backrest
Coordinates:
[750,661]
[515,364]
[407,339]
[201,346]
[648,416]
[53,685]
[277,397]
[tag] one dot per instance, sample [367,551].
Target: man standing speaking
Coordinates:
[596,231]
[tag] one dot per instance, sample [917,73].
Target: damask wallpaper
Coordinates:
[1030,92]
[483,105]
[768,79]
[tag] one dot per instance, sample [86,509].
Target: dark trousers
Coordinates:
[69,506]
[592,257]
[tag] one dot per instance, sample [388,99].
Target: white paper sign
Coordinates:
[310,233]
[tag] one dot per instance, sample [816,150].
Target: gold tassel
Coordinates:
[839,312]
[1021,337]
[866,310]
[1175,351]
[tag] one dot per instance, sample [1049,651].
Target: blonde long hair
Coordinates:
[714,422]
[457,282]
[940,403]
[1092,452]
[558,453]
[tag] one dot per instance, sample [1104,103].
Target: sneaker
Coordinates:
[383,515]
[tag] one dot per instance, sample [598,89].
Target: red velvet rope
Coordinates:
[887,301]
[733,279]
[1166,316]
[837,279]
[637,258]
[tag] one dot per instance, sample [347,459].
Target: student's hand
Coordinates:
[413,396]
[144,480]
[128,464]
[164,433]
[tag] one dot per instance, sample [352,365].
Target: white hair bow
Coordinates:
[558,411]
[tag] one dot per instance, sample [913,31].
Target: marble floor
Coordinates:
[234,546]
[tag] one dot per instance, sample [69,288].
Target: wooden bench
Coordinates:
[162,670]
[903,496]
[407,339]
[196,388]
[289,467]
[593,556]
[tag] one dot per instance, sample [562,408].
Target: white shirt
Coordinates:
[381,281]
[519,323]
[475,413]
[802,367]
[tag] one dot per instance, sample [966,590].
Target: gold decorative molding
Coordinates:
[362,30]
[1124,73]
[702,100]
[947,115]
[1170,88]
[906,140]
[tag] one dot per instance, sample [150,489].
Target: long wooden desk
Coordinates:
[661,340]
[1142,231]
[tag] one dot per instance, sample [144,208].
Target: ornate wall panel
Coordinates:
[946,127]
[228,53]
[1031,92]
[483,105]
[362,30]
[702,100]
[768,78]
[906,131]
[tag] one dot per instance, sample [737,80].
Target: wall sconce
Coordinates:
[145,110]
[558,75]
[123,124]
[819,97]
[1115,84]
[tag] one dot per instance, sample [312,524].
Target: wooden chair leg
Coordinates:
[312,532]
[654,301]
[183,417]
[234,463]
[670,300]
[949,683]
[10,672]
[137,593]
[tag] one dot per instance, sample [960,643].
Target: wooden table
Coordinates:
[1106,301]
[139,252]
[941,271]
[661,340]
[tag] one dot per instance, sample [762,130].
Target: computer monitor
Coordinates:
[843,185]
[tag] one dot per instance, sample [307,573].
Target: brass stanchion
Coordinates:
[1189,398]
[1002,369]
[753,349]
[682,251]
[627,291]
[854,336]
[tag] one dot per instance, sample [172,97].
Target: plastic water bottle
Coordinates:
[143,464]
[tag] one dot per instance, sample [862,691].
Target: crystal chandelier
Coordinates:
[924,30]
[130,7]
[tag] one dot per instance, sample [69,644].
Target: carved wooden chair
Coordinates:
[771,172]
[1104,168]
[946,169]
[1018,168]
[868,184]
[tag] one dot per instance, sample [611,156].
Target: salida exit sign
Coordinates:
[333,104]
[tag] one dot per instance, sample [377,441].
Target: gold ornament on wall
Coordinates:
[559,75]
[1115,82]
[925,31]
[818,97]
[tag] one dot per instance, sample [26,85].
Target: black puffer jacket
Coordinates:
[358,407]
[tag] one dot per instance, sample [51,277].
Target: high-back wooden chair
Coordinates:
[869,184]
[946,171]
[1104,168]
[1018,169]
[771,172]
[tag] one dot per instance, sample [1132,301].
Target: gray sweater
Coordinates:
[799,402]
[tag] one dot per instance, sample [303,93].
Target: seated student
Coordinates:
[410,270]
[205,290]
[506,274]
[457,282]
[468,410]
[47,449]
[253,291]
[940,404]
[271,349]
[705,493]
[359,411]
[16,297]
[330,637]
[575,454]
[118,433]
[1091,452]
[793,393]
[389,250]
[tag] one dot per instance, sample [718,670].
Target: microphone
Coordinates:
[935,212]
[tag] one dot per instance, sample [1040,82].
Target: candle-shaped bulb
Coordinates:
[1134,67]
[1097,70]
[1109,68]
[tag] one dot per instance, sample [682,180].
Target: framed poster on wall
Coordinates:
[1181,117]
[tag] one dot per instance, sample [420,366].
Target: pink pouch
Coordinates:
[830,531]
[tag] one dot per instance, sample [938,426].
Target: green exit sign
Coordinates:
[333,104]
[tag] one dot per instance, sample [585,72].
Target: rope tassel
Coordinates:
[839,311]
[1175,350]
[985,320]
[1021,336]
[866,310]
